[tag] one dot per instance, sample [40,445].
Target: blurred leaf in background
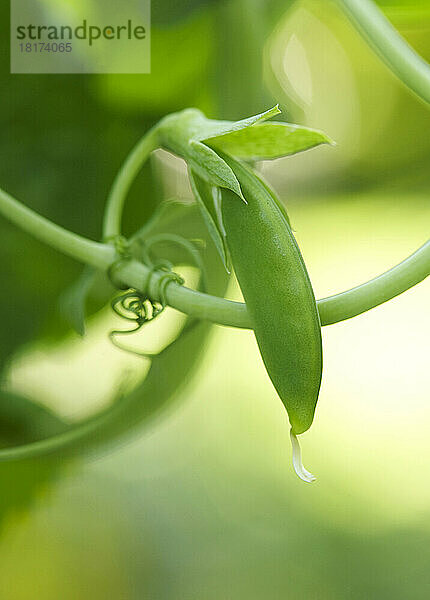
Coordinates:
[23,482]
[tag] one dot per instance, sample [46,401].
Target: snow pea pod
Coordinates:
[279,297]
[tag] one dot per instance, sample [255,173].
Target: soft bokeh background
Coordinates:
[202,503]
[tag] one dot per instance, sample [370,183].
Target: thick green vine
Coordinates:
[332,309]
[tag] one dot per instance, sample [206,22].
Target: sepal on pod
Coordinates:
[199,140]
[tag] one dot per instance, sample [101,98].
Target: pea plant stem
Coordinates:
[75,246]
[386,286]
[217,310]
[409,67]
[122,183]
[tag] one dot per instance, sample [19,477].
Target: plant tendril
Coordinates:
[133,305]
[140,308]
[178,240]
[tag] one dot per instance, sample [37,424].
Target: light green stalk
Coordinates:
[125,177]
[218,310]
[80,248]
[409,67]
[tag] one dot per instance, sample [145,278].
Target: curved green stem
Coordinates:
[203,306]
[332,309]
[362,298]
[123,181]
[409,67]
[61,239]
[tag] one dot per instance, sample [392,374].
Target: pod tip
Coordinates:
[300,470]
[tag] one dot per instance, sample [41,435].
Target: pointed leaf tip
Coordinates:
[265,141]
[212,168]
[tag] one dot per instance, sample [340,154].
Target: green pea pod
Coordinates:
[279,298]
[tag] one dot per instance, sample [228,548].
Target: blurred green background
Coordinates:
[202,502]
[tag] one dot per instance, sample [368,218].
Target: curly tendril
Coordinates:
[135,306]
[190,248]
[140,309]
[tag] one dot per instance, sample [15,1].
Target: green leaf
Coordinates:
[204,195]
[201,142]
[210,128]
[175,134]
[192,124]
[217,198]
[182,133]
[196,139]
[22,422]
[212,168]
[73,301]
[268,140]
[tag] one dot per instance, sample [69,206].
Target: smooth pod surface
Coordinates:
[278,293]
